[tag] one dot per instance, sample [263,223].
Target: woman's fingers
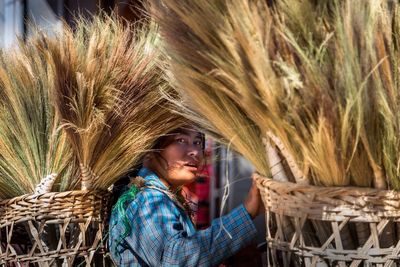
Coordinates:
[253,203]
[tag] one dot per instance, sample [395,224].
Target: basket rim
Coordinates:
[54,206]
[52,195]
[358,204]
[292,187]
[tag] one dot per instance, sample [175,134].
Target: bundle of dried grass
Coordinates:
[217,111]
[108,95]
[31,145]
[348,63]
[321,76]
[81,106]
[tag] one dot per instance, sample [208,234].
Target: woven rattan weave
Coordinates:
[309,225]
[53,229]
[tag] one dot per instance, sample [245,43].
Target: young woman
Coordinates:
[150,224]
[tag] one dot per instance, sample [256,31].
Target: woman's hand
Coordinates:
[253,203]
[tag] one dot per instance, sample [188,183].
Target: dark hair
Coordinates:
[165,140]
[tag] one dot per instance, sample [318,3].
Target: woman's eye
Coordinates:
[198,143]
[181,141]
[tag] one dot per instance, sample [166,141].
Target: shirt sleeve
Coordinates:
[159,237]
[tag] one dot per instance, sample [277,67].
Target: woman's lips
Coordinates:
[191,168]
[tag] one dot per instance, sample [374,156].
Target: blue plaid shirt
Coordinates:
[162,234]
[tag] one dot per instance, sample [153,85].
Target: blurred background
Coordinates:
[18,16]
[224,170]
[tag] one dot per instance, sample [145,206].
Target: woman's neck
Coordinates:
[160,176]
[165,182]
[170,187]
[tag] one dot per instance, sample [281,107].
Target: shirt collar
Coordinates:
[151,178]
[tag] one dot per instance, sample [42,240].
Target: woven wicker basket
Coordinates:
[54,229]
[310,226]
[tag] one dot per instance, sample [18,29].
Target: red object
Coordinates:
[198,192]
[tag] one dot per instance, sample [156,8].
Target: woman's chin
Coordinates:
[189,177]
[183,177]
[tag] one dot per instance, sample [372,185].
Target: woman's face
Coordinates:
[178,163]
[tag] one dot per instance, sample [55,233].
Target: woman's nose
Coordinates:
[193,151]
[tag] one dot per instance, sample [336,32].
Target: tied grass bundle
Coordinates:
[81,106]
[31,145]
[320,77]
[218,111]
[348,63]
[108,95]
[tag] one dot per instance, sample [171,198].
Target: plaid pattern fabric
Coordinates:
[163,235]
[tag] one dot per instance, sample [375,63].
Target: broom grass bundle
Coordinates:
[214,110]
[79,109]
[319,76]
[32,148]
[351,74]
[108,95]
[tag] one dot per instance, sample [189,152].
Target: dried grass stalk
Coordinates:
[108,95]
[88,99]
[321,76]
[31,145]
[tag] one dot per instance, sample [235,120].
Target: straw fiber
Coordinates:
[336,207]
[54,229]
